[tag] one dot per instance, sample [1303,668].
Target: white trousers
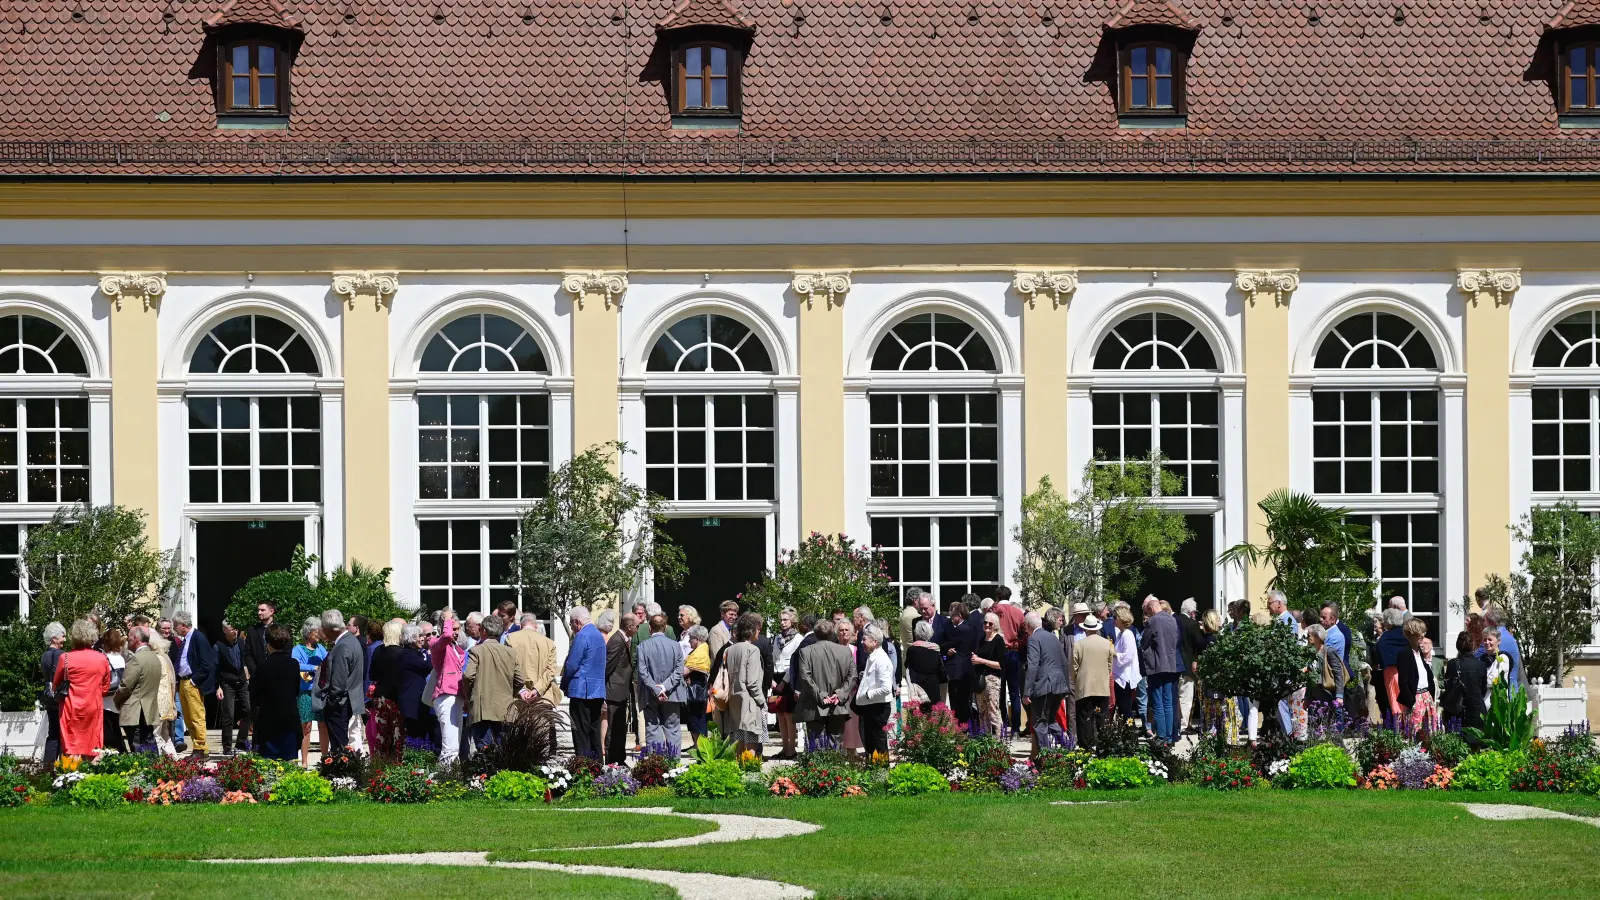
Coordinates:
[448,709]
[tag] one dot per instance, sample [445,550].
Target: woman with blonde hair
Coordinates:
[388,674]
[82,680]
[166,696]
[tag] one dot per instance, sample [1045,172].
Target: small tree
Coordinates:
[1263,662]
[1550,601]
[827,572]
[593,536]
[1093,546]
[356,590]
[96,559]
[1314,552]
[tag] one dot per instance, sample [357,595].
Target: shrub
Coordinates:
[1487,771]
[615,781]
[240,773]
[398,784]
[527,743]
[1323,766]
[750,761]
[177,771]
[933,740]
[343,763]
[1448,748]
[110,762]
[20,677]
[1116,773]
[825,572]
[824,779]
[1577,743]
[204,789]
[652,768]
[1591,781]
[519,787]
[301,789]
[100,791]
[710,780]
[1119,738]
[1547,773]
[584,767]
[1222,773]
[13,789]
[1380,747]
[1262,662]
[911,779]
[1273,747]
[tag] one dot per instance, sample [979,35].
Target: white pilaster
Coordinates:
[786,534]
[1453,486]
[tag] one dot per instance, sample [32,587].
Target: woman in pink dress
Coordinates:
[87,676]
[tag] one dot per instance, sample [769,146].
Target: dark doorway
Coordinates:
[1195,575]
[723,555]
[228,554]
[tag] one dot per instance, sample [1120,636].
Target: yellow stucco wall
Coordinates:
[135,478]
[1488,451]
[366,428]
[1266,417]
[595,354]
[822,494]
[1044,394]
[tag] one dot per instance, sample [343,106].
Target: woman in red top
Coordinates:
[87,674]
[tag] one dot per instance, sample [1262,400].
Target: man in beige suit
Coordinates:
[536,660]
[827,671]
[491,682]
[1092,656]
[139,697]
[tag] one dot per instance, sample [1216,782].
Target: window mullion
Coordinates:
[483,447]
[255,449]
[483,566]
[22,450]
[1594,434]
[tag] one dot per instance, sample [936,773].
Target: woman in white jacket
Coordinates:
[875,693]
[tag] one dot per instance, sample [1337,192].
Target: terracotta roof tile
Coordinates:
[1151,12]
[705,12]
[254,12]
[831,86]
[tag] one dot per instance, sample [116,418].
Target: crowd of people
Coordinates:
[1051,674]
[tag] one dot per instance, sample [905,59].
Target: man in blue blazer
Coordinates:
[583,680]
[196,667]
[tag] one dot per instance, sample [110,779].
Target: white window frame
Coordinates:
[939,545]
[255,430]
[934,426]
[709,430]
[483,429]
[483,552]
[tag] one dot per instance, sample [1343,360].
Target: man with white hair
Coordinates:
[344,683]
[583,680]
[1397,602]
[1044,683]
[196,666]
[1190,641]
[1159,650]
[1278,606]
[536,661]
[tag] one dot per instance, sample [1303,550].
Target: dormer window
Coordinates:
[707,82]
[253,79]
[1152,80]
[1580,91]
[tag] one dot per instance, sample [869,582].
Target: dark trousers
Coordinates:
[616,714]
[486,733]
[585,726]
[1127,699]
[141,738]
[694,718]
[1011,689]
[829,727]
[336,722]
[233,709]
[1092,714]
[111,727]
[961,700]
[874,718]
[1044,718]
[52,740]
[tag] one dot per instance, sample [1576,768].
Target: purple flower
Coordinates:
[615,781]
[203,789]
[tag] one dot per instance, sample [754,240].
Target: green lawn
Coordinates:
[1168,842]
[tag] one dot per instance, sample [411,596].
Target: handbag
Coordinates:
[718,701]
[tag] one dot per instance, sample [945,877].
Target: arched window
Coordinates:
[1182,426]
[253,344]
[1566,418]
[483,342]
[483,451]
[933,342]
[709,343]
[44,437]
[935,441]
[1375,446]
[1375,340]
[252,447]
[253,79]
[1154,341]
[704,446]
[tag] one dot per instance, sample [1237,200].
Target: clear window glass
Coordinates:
[933,342]
[948,555]
[710,447]
[1375,442]
[1182,425]
[483,446]
[935,445]
[466,564]
[255,449]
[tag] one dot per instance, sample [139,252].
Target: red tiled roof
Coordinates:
[253,12]
[838,86]
[1577,14]
[705,12]
[1151,12]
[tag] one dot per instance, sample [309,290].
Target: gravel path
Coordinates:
[1510,812]
[689,885]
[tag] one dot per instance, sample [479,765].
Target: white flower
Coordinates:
[958,775]
[67,780]
[344,784]
[476,783]
[1277,767]
[674,772]
[557,777]
[1157,769]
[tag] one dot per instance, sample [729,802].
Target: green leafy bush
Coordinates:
[297,595]
[119,763]
[1508,725]
[13,789]
[1116,773]
[517,787]
[1487,771]
[398,784]
[1323,766]
[301,789]
[709,747]
[826,572]
[1448,748]
[911,779]
[21,644]
[1591,781]
[1061,768]
[1262,662]
[710,780]
[100,791]
[1222,773]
